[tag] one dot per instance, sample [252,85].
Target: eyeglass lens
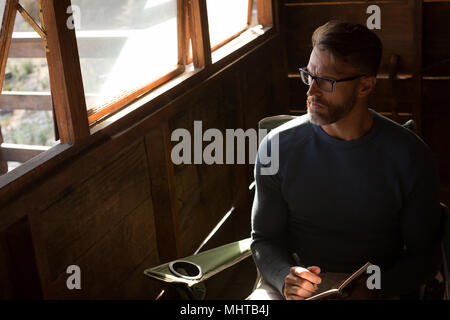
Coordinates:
[321,83]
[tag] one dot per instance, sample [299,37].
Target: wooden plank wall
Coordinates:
[398,34]
[436,84]
[120,206]
[418,32]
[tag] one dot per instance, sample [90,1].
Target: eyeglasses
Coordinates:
[323,83]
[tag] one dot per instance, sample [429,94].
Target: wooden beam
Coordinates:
[23,100]
[250,13]
[7,28]
[91,43]
[65,73]
[27,47]
[24,274]
[183,45]
[41,19]
[201,46]
[26,16]
[418,40]
[265,16]
[163,192]
[187,34]
[436,78]
[9,17]
[393,67]
[19,152]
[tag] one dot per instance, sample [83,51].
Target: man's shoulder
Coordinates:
[397,137]
[297,129]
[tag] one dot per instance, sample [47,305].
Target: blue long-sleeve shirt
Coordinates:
[339,204]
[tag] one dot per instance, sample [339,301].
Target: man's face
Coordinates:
[329,107]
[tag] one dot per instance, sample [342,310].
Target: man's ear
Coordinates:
[366,86]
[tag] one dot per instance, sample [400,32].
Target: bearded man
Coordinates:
[352,185]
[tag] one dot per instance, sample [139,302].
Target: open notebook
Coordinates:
[337,289]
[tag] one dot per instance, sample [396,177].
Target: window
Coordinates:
[227,19]
[26,117]
[126,48]
[234,23]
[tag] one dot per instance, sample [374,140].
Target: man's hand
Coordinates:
[301,283]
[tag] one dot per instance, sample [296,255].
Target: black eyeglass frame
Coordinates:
[333,82]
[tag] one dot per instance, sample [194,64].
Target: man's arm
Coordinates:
[269,218]
[420,228]
[269,234]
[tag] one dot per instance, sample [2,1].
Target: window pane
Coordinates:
[26,79]
[226,19]
[2,10]
[31,6]
[26,116]
[124,45]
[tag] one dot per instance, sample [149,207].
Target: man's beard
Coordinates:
[331,113]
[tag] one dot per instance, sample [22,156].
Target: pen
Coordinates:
[296,259]
[298,263]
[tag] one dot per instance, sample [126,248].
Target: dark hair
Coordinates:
[352,43]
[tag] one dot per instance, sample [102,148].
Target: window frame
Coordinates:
[6,31]
[234,36]
[68,97]
[98,112]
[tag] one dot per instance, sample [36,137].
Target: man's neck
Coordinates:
[353,126]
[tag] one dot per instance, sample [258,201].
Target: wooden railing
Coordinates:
[19,152]
[92,44]
[23,45]
[22,100]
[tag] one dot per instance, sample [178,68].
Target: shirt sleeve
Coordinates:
[420,228]
[268,222]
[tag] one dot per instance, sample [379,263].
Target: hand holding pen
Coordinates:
[301,282]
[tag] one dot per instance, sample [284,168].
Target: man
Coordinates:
[352,185]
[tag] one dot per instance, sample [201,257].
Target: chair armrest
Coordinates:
[210,263]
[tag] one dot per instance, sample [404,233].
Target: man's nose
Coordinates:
[314,89]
